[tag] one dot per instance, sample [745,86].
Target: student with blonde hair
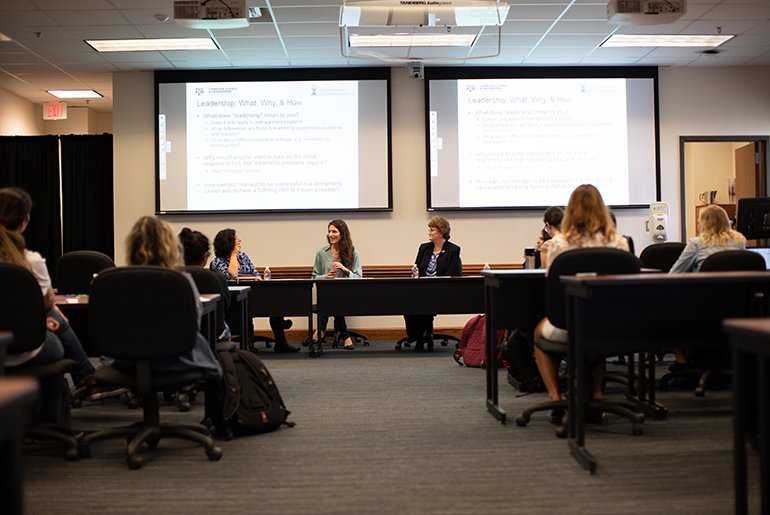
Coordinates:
[715,235]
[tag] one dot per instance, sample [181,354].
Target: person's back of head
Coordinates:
[15,207]
[586,215]
[715,227]
[553,216]
[152,242]
[195,245]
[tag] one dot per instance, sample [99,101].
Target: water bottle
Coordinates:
[529,257]
[486,266]
[267,273]
[415,271]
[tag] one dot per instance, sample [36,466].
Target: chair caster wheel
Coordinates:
[134,462]
[444,343]
[637,429]
[76,403]
[73,454]
[398,346]
[562,432]
[700,392]
[183,406]
[522,421]
[214,453]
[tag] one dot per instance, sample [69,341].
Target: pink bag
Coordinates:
[472,346]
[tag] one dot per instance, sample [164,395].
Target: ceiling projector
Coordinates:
[645,12]
[211,14]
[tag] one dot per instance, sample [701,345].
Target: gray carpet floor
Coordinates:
[379,431]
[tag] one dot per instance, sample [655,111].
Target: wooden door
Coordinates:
[746,173]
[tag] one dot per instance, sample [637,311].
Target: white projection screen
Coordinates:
[294,140]
[524,138]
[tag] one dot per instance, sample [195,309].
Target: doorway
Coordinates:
[719,170]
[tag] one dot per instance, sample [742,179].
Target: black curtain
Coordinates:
[32,164]
[87,199]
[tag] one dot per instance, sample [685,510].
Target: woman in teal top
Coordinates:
[337,259]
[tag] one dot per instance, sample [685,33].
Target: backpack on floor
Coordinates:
[246,400]
[520,362]
[471,351]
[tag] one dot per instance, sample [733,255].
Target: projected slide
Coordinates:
[281,145]
[530,142]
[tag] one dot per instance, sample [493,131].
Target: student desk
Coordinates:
[237,314]
[16,395]
[750,339]
[369,296]
[279,298]
[628,313]
[514,299]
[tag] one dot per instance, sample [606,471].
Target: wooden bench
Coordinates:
[304,272]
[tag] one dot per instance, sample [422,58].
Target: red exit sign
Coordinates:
[55,111]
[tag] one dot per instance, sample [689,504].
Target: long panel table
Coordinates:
[399,296]
[626,314]
[280,298]
[750,339]
[514,299]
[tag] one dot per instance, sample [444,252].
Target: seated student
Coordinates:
[544,236]
[195,247]
[337,259]
[552,219]
[152,242]
[586,223]
[438,257]
[232,262]
[61,341]
[715,235]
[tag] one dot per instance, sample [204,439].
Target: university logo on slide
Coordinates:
[199,91]
[470,88]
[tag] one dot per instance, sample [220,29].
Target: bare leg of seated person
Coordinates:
[548,366]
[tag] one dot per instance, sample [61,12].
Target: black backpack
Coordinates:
[522,367]
[246,400]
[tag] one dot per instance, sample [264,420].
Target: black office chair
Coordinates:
[598,260]
[442,338]
[661,256]
[75,270]
[157,307]
[714,360]
[22,311]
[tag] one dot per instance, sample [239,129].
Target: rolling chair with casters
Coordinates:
[355,337]
[599,260]
[444,340]
[23,312]
[728,260]
[159,307]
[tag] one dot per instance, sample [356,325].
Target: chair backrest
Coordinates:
[208,281]
[22,308]
[662,255]
[601,260]
[75,270]
[142,312]
[733,260]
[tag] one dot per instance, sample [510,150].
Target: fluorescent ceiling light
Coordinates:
[82,93]
[3,37]
[665,40]
[422,13]
[146,45]
[411,40]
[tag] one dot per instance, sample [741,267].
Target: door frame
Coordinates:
[764,143]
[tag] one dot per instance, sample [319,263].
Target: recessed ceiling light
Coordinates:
[411,40]
[81,93]
[665,40]
[147,45]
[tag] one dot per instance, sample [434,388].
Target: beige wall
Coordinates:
[19,117]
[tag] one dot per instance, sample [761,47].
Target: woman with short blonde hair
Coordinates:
[716,235]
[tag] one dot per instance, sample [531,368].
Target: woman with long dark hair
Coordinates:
[337,259]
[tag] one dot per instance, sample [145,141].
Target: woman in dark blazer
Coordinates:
[438,257]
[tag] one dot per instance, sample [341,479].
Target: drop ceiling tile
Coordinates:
[511,41]
[582,41]
[312,42]
[312,29]
[19,58]
[18,5]
[586,12]
[261,63]
[65,46]
[739,11]
[89,17]
[525,27]
[147,16]
[229,44]
[73,58]
[172,30]
[132,57]
[140,66]
[256,53]
[321,53]
[107,32]
[79,5]
[552,61]
[534,12]
[192,55]
[669,28]
[720,61]
[306,13]
[29,68]
[91,67]
[710,27]
[254,29]
[213,65]
[582,27]
[23,34]
[615,61]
